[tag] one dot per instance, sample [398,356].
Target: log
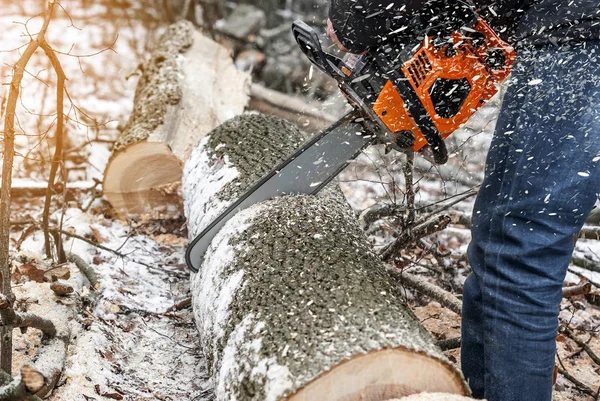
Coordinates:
[290,302]
[188,87]
[310,117]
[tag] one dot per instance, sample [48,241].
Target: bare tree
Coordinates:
[7,313]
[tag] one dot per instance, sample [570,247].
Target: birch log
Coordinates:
[188,87]
[290,302]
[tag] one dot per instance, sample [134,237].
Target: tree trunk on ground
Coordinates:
[189,86]
[309,117]
[290,301]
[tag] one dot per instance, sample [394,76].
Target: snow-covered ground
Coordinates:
[126,344]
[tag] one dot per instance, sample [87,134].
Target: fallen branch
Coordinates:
[19,389]
[180,305]
[26,189]
[569,333]
[48,363]
[580,385]
[584,277]
[585,263]
[461,218]
[85,269]
[12,319]
[575,290]
[590,232]
[290,108]
[411,235]
[423,286]
[449,344]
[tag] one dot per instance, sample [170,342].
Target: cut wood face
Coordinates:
[142,177]
[380,376]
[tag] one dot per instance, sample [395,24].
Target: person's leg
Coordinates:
[541,181]
[472,350]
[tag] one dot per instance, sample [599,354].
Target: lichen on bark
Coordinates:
[254,144]
[229,160]
[158,87]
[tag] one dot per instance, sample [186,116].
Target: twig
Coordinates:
[456,199]
[575,290]
[378,211]
[414,234]
[417,263]
[448,172]
[421,285]
[113,251]
[409,190]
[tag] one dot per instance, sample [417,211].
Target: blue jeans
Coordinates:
[542,179]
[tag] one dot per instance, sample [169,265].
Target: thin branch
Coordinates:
[15,390]
[410,192]
[410,235]
[57,160]
[423,286]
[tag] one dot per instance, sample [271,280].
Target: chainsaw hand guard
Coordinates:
[309,43]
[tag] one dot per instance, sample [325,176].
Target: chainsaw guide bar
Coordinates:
[307,171]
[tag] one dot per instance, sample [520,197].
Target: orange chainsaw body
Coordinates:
[466,63]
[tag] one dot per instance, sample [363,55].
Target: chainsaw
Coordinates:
[410,93]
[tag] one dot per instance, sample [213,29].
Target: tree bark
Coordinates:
[290,301]
[188,87]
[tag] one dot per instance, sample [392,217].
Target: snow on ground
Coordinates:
[126,344]
[131,345]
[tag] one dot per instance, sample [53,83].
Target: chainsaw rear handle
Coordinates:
[309,43]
